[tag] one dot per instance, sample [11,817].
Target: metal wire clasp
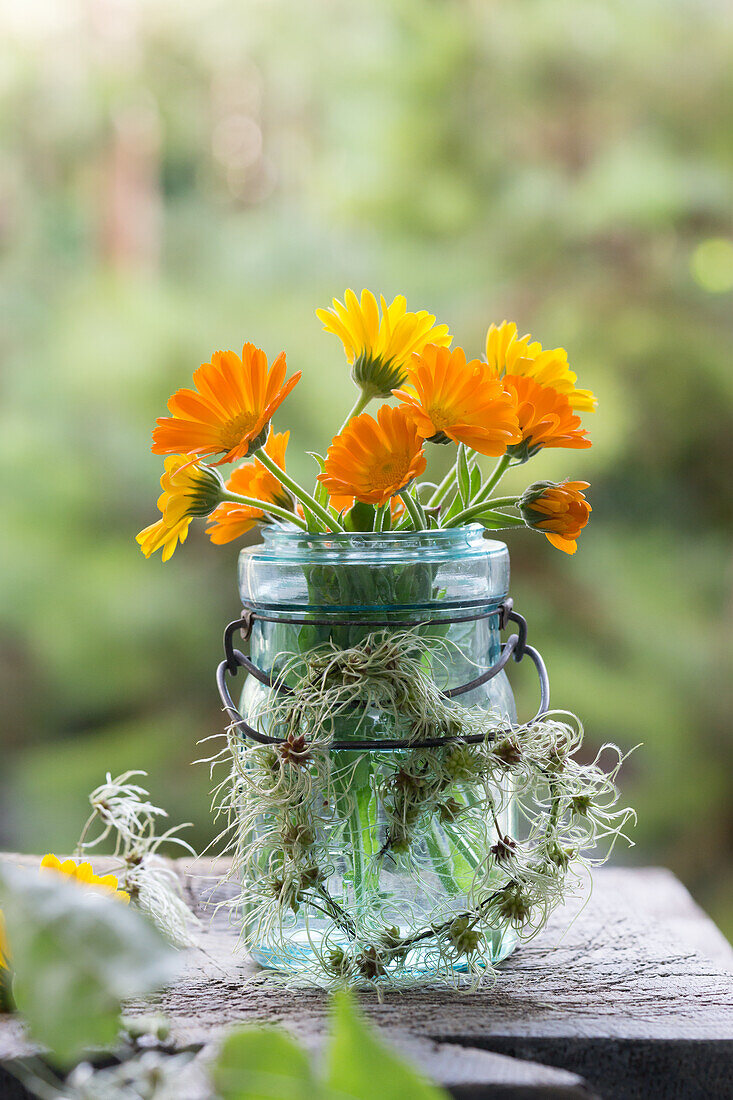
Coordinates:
[243,624]
[515,646]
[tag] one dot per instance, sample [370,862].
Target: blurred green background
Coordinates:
[177,178]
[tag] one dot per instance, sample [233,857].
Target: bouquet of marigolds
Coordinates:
[387,817]
[509,405]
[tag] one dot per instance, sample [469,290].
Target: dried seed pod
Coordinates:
[294,749]
[370,963]
[504,849]
[513,905]
[463,935]
[507,752]
[450,810]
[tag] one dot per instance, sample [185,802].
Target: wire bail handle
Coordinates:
[515,645]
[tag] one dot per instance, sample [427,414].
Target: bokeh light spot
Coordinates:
[712,265]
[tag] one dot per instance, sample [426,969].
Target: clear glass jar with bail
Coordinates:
[367,830]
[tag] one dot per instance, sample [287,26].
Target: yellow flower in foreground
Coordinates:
[379,346]
[448,398]
[188,490]
[230,521]
[229,411]
[83,874]
[374,459]
[509,353]
[559,510]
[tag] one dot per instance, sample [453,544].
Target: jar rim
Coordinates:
[472,531]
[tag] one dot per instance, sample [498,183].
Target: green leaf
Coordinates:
[361,517]
[321,492]
[476,481]
[364,1068]
[77,954]
[264,1064]
[455,507]
[314,523]
[463,475]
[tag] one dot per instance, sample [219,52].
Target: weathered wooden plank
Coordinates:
[632,991]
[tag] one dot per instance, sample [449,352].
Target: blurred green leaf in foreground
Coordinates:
[76,955]
[266,1064]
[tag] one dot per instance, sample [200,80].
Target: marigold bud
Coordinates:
[556,509]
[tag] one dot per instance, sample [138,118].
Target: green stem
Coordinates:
[499,470]
[442,491]
[417,515]
[499,502]
[361,403]
[304,497]
[437,930]
[337,912]
[266,506]
[486,508]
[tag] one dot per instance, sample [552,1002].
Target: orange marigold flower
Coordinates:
[230,521]
[374,459]
[229,411]
[545,416]
[379,347]
[509,353]
[83,873]
[559,510]
[448,398]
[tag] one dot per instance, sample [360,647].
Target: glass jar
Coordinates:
[445,584]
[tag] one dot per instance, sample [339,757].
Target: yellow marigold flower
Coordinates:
[545,417]
[558,509]
[83,873]
[374,459]
[509,353]
[448,398]
[188,490]
[379,347]
[229,411]
[504,347]
[230,521]
[158,536]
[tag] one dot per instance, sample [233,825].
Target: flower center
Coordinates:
[440,418]
[238,429]
[389,473]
